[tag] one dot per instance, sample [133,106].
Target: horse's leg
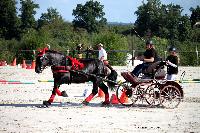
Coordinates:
[94,92]
[55,90]
[105,90]
[64,79]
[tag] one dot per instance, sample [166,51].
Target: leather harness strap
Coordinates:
[76,65]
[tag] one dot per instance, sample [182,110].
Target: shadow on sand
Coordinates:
[78,105]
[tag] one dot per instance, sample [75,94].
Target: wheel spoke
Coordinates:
[170,96]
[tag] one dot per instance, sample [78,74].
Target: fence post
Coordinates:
[165,54]
[133,55]
[197,57]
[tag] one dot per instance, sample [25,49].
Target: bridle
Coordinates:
[42,56]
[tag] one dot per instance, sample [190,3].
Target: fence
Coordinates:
[118,57]
[115,57]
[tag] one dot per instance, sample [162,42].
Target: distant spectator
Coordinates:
[79,49]
[102,53]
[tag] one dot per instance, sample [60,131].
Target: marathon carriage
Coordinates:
[151,88]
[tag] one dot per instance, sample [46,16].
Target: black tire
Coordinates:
[126,94]
[170,96]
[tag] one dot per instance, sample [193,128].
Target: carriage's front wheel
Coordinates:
[170,96]
[152,97]
[126,94]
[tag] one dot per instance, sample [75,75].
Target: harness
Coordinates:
[75,65]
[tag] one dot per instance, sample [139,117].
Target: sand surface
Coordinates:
[20,108]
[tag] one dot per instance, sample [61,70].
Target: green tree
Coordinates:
[8,19]
[148,18]
[89,16]
[184,28]
[113,41]
[51,16]
[195,16]
[172,20]
[27,14]
[156,19]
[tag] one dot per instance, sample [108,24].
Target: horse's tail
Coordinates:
[110,67]
[113,77]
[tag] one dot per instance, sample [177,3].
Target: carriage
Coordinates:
[151,88]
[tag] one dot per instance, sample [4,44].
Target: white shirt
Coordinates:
[102,52]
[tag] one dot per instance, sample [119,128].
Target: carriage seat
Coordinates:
[133,79]
[155,70]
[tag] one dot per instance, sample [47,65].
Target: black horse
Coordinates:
[67,70]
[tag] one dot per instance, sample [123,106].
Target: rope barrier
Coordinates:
[45,80]
[9,81]
[17,83]
[14,82]
[188,81]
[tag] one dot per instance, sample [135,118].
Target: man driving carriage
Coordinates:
[150,56]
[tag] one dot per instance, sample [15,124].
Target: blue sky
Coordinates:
[115,10]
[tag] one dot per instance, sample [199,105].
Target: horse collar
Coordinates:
[43,51]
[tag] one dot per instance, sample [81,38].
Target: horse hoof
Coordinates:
[46,103]
[64,94]
[85,102]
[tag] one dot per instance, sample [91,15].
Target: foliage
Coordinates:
[156,19]
[27,14]
[47,18]
[163,24]
[8,19]
[89,16]
[195,16]
[9,49]
[113,41]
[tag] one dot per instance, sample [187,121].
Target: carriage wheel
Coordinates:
[170,97]
[152,96]
[126,94]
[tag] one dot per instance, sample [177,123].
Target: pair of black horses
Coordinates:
[67,70]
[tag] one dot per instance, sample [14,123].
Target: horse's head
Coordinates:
[51,58]
[42,61]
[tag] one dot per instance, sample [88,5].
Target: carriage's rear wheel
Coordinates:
[170,96]
[126,95]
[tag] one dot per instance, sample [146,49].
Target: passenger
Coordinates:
[173,58]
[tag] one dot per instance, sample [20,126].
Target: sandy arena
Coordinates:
[20,108]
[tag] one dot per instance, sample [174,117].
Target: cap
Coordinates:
[172,49]
[80,45]
[100,44]
[149,42]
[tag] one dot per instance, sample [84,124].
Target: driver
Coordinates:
[149,56]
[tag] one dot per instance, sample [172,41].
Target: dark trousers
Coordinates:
[138,69]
